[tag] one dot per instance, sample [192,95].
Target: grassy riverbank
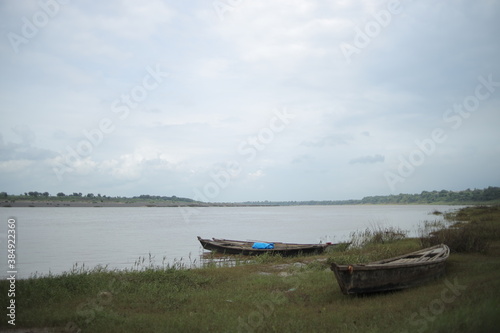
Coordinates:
[276,294]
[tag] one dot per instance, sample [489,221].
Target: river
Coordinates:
[53,240]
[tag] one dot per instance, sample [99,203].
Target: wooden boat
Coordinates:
[228,246]
[401,272]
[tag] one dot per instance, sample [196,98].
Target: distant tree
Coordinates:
[491,193]
[3,195]
[90,195]
[45,194]
[61,194]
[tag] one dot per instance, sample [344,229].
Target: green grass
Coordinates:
[272,294]
[469,230]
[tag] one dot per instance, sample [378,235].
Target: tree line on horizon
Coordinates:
[90,196]
[425,197]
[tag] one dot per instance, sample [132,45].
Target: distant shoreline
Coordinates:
[487,196]
[62,204]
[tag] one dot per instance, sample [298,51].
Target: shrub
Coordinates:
[468,235]
[377,235]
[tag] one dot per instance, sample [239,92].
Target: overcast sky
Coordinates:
[249,100]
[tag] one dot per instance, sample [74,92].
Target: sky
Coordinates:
[239,100]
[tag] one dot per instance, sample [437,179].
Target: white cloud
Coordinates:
[213,68]
[253,176]
[14,165]
[368,159]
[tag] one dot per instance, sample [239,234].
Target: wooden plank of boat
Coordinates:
[276,244]
[245,247]
[396,273]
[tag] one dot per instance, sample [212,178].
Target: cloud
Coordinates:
[14,165]
[305,158]
[329,141]
[226,78]
[253,176]
[368,159]
[24,150]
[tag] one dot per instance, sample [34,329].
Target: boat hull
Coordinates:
[371,278]
[244,248]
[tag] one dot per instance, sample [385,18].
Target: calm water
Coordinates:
[54,239]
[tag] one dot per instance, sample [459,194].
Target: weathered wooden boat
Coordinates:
[229,246]
[401,272]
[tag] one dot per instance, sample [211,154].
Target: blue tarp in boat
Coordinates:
[259,245]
